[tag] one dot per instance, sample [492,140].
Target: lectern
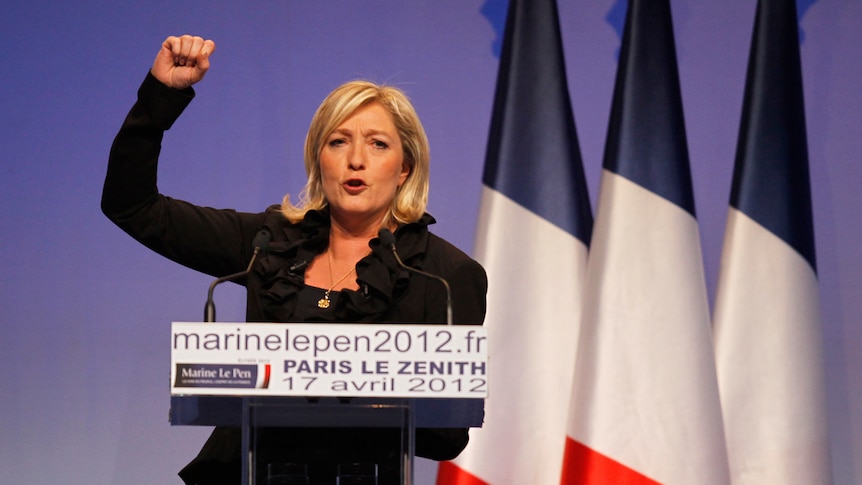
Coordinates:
[255,376]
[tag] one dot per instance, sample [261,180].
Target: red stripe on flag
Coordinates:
[584,466]
[450,474]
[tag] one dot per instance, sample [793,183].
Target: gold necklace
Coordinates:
[325,301]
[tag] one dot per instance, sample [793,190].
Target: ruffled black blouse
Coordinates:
[280,273]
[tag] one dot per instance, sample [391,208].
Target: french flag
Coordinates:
[534,227]
[645,404]
[768,339]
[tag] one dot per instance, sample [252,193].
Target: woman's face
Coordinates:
[362,165]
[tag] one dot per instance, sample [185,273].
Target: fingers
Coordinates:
[189,51]
[182,61]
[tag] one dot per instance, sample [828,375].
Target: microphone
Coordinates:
[388,239]
[260,244]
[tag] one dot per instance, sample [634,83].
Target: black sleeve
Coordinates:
[469,285]
[217,242]
[467,280]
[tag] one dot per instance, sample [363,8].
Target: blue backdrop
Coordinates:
[86,310]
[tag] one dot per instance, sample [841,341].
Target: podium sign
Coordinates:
[329,360]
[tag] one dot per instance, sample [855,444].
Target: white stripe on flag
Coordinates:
[769,358]
[645,391]
[535,269]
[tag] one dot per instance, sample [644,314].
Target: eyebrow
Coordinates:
[369,132]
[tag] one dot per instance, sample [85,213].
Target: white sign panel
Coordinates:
[343,360]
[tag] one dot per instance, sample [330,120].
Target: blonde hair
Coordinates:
[411,198]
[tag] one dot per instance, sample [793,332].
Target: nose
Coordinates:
[356,157]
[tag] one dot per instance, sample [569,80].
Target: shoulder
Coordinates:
[451,260]
[466,277]
[437,246]
[420,246]
[314,226]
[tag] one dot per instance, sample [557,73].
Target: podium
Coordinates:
[257,377]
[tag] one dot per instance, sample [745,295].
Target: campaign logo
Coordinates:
[234,376]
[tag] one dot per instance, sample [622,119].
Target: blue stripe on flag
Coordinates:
[533,155]
[771,181]
[646,136]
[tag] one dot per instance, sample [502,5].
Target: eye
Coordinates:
[335,142]
[380,144]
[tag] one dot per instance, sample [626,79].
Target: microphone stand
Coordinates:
[209,307]
[387,238]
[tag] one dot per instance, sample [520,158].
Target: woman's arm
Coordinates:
[213,241]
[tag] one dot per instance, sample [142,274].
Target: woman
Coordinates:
[366,156]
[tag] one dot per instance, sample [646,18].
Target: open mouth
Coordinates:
[354,186]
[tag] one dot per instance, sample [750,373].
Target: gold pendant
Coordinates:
[323,302]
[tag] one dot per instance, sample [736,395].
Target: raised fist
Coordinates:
[183,61]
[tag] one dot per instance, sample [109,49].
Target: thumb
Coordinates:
[163,65]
